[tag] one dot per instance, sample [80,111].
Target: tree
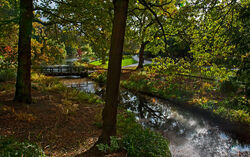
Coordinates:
[8,34]
[114,70]
[148,21]
[95,29]
[23,82]
[139,24]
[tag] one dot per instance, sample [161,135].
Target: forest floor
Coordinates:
[46,123]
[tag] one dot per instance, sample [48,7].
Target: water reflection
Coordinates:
[190,134]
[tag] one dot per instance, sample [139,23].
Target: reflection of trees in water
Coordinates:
[149,113]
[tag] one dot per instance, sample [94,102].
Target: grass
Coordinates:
[126,61]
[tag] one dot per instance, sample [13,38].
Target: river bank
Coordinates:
[190,133]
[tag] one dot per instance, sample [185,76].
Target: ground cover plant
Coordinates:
[9,147]
[136,140]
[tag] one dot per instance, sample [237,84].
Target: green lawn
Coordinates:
[125,62]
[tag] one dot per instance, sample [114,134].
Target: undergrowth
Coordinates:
[7,75]
[10,147]
[136,140]
[71,95]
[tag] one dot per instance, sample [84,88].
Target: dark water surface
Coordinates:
[190,134]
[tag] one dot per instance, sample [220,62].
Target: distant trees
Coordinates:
[8,34]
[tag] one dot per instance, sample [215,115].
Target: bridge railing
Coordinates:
[50,70]
[69,70]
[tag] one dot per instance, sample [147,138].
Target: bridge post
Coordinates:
[70,69]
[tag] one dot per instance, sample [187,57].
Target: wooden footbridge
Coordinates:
[63,70]
[66,70]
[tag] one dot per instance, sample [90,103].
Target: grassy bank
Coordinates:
[210,96]
[128,60]
[218,98]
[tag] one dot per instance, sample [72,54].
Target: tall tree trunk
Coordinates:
[23,83]
[114,71]
[141,54]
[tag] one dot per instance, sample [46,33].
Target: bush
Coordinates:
[140,142]
[7,75]
[228,87]
[114,145]
[9,147]
[99,76]
[144,142]
[137,141]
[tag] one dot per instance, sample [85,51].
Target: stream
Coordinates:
[190,134]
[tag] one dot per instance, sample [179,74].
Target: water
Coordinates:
[190,134]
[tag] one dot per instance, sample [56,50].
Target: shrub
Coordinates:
[144,142]
[9,147]
[137,141]
[140,142]
[114,145]
[99,76]
[7,75]
[228,87]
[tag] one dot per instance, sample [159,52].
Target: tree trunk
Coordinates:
[114,71]
[23,83]
[103,58]
[141,54]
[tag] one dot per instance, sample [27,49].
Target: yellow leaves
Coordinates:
[4,3]
[201,100]
[206,85]
[153,100]
[25,117]
[8,108]
[246,56]
[67,106]
[37,25]
[22,116]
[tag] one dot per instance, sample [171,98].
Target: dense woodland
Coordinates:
[198,49]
